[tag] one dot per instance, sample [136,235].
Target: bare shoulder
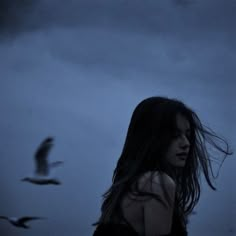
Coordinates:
[160,184]
[158,211]
[155,179]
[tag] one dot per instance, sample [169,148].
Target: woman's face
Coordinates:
[178,150]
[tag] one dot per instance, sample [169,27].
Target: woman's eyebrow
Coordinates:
[186,131]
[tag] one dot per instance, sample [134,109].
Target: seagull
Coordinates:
[21,221]
[42,166]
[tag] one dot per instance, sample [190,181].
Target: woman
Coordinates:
[156,184]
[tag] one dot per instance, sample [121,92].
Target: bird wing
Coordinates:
[41,156]
[56,163]
[24,219]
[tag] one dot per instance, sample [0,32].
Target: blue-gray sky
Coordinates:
[76,70]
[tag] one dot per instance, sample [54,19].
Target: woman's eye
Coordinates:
[179,134]
[176,135]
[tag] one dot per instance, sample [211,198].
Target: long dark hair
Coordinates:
[151,129]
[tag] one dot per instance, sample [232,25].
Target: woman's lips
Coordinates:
[182,156]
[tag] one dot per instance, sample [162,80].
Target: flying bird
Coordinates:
[42,166]
[21,221]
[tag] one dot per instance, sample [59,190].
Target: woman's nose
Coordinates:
[184,142]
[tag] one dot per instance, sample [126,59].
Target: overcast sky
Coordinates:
[77,69]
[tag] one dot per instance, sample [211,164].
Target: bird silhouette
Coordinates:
[21,221]
[42,167]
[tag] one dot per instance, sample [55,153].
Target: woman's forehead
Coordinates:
[182,123]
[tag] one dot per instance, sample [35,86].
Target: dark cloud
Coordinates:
[12,13]
[191,17]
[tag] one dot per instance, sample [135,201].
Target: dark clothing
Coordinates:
[114,229]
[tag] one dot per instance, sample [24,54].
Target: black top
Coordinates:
[115,229]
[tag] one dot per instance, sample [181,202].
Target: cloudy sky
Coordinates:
[76,69]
